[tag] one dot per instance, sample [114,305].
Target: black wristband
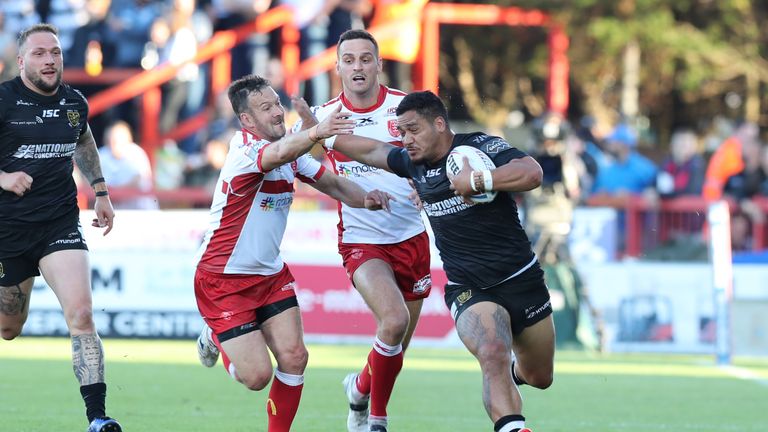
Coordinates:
[98,180]
[102,193]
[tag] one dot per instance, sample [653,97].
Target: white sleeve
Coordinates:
[308,169]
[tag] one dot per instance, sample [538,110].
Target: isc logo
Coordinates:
[51,113]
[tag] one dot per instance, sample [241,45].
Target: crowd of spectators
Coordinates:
[725,160]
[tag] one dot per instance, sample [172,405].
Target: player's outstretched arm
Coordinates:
[290,147]
[517,175]
[87,159]
[366,150]
[350,193]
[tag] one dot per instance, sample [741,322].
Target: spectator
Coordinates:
[727,160]
[629,172]
[92,48]
[747,182]
[682,173]
[67,16]
[125,164]
[129,23]
[8,67]
[230,14]
[169,165]
[19,15]
[203,170]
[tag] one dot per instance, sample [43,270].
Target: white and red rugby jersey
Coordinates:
[250,209]
[360,225]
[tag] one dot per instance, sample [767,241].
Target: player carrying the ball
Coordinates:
[496,290]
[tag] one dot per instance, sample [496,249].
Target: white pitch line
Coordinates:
[745,374]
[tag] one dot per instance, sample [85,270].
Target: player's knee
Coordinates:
[257,383]
[10,332]
[80,320]
[540,380]
[540,377]
[494,354]
[394,326]
[255,380]
[293,360]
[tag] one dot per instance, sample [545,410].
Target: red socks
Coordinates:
[283,402]
[384,364]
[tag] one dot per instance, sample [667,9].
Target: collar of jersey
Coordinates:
[253,136]
[379,101]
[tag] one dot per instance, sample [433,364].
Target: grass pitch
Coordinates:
[159,386]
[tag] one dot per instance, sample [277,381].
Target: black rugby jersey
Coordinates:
[481,245]
[38,135]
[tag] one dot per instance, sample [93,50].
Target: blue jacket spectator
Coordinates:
[629,172]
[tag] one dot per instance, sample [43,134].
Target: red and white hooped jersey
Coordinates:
[360,225]
[250,209]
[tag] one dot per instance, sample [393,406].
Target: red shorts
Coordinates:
[227,301]
[409,260]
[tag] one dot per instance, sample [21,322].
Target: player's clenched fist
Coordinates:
[17,182]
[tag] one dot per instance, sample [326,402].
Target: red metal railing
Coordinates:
[648,225]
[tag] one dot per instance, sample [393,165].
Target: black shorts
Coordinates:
[527,301]
[22,249]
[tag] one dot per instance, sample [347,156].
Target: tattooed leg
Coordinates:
[13,301]
[88,358]
[485,330]
[14,306]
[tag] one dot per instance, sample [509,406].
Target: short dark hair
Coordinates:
[240,89]
[358,34]
[425,103]
[37,28]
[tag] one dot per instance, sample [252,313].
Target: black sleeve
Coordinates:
[500,151]
[399,162]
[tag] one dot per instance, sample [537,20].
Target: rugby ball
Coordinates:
[477,159]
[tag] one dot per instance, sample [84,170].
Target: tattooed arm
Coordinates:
[87,159]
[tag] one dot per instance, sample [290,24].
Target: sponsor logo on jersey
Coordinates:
[38,119]
[271,203]
[496,145]
[446,207]
[365,121]
[480,138]
[45,151]
[392,128]
[422,285]
[433,172]
[25,103]
[392,111]
[289,286]
[73,117]
[356,170]
[51,113]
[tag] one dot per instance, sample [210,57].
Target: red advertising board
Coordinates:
[330,306]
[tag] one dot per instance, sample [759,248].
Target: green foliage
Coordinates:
[692,50]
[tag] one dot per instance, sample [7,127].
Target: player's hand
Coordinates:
[105,214]
[378,200]
[17,182]
[305,113]
[337,123]
[461,182]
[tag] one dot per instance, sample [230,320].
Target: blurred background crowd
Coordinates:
[611,153]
